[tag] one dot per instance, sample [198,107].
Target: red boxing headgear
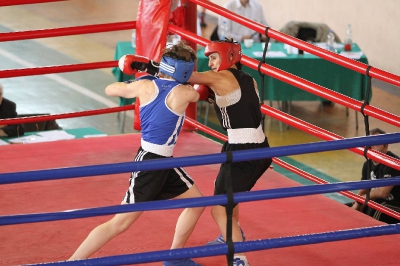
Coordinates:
[225,49]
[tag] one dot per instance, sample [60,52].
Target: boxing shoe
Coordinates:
[180,262]
[220,239]
[240,261]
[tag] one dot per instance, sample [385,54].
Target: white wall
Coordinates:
[375,23]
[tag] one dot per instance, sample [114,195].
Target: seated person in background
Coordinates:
[202,17]
[8,110]
[387,196]
[40,125]
[250,9]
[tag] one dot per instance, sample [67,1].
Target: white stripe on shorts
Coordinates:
[139,158]
[183,176]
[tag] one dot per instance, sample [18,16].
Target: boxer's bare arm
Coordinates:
[222,82]
[144,89]
[180,97]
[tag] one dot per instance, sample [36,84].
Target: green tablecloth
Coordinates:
[123,48]
[307,66]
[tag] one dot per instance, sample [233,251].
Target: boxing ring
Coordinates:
[304,234]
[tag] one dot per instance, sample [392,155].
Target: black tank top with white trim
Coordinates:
[240,108]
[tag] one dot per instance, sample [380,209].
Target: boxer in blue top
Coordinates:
[163,101]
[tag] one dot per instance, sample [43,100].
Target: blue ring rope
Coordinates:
[254,245]
[197,202]
[238,156]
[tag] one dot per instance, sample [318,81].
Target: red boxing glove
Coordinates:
[206,94]
[131,64]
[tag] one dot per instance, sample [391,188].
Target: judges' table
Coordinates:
[307,66]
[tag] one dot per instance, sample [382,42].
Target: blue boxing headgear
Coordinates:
[178,69]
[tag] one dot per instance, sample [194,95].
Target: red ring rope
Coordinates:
[30,119]
[23,2]
[45,33]
[56,69]
[332,57]
[300,82]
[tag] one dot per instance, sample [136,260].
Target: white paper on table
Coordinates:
[352,55]
[270,54]
[44,136]
[292,50]
[29,139]
[2,142]
[95,136]
[56,135]
[323,45]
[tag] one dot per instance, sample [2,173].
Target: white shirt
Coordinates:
[253,11]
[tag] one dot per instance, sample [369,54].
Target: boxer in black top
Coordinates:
[237,105]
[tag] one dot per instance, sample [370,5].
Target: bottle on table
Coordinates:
[348,41]
[133,40]
[224,30]
[330,40]
[176,39]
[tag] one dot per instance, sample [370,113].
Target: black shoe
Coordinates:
[327,103]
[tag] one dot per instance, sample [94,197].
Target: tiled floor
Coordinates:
[79,91]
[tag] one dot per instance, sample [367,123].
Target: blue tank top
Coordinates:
[160,125]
